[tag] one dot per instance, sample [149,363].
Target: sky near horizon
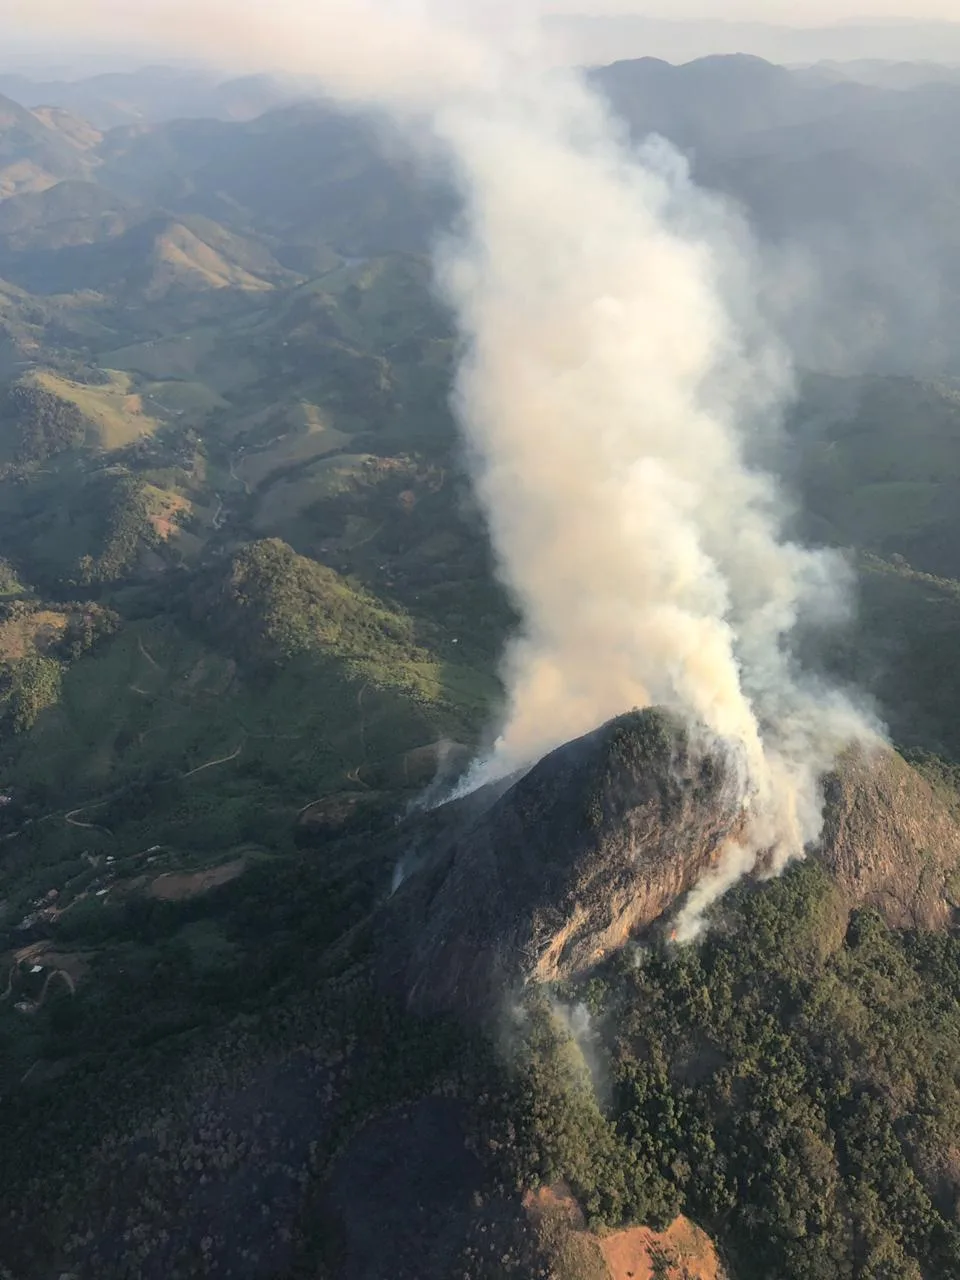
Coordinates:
[787,12]
[69,32]
[798,13]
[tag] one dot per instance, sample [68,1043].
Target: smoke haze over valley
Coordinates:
[617,365]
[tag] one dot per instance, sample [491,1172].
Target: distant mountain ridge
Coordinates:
[33,153]
[153,94]
[596,39]
[849,186]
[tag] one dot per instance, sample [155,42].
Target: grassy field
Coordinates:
[116,410]
[158,702]
[30,633]
[306,438]
[201,355]
[191,400]
[280,503]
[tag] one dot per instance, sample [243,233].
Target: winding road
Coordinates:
[210,763]
[70,819]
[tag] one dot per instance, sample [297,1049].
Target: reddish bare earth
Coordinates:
[682,1252]
[173,887]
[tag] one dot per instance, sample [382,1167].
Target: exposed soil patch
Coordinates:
[567,1250]
[331,814]
[177,886]
[683,1252]
[554,1200]
[165,518]
[37,631]
[72,963]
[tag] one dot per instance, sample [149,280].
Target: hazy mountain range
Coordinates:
[849,185]
[596,39]
[151,94]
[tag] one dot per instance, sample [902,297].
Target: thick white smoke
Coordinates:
[614,377]
[609,394]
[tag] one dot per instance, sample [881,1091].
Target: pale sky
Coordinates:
[788,12]
[60,29]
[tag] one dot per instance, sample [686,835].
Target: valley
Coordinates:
[251,626]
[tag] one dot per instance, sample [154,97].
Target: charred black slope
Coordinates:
[538,883]
[539,880]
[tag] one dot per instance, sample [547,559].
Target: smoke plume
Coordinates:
[615,384]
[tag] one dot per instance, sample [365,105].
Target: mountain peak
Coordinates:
[540,879]
[891,840]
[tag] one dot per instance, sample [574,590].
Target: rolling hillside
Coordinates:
[250,627]
[33,153]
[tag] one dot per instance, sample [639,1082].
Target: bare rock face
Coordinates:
[890,840]
[538,879]
[539,882]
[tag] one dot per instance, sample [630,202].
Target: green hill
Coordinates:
[880,466]
[137,256]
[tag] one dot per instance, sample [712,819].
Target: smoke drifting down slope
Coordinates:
[615,377]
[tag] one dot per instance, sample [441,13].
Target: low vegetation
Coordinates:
[35,424]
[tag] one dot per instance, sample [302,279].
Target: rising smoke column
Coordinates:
[609,395]
[615,374]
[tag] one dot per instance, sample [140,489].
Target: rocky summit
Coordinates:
[541,878]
